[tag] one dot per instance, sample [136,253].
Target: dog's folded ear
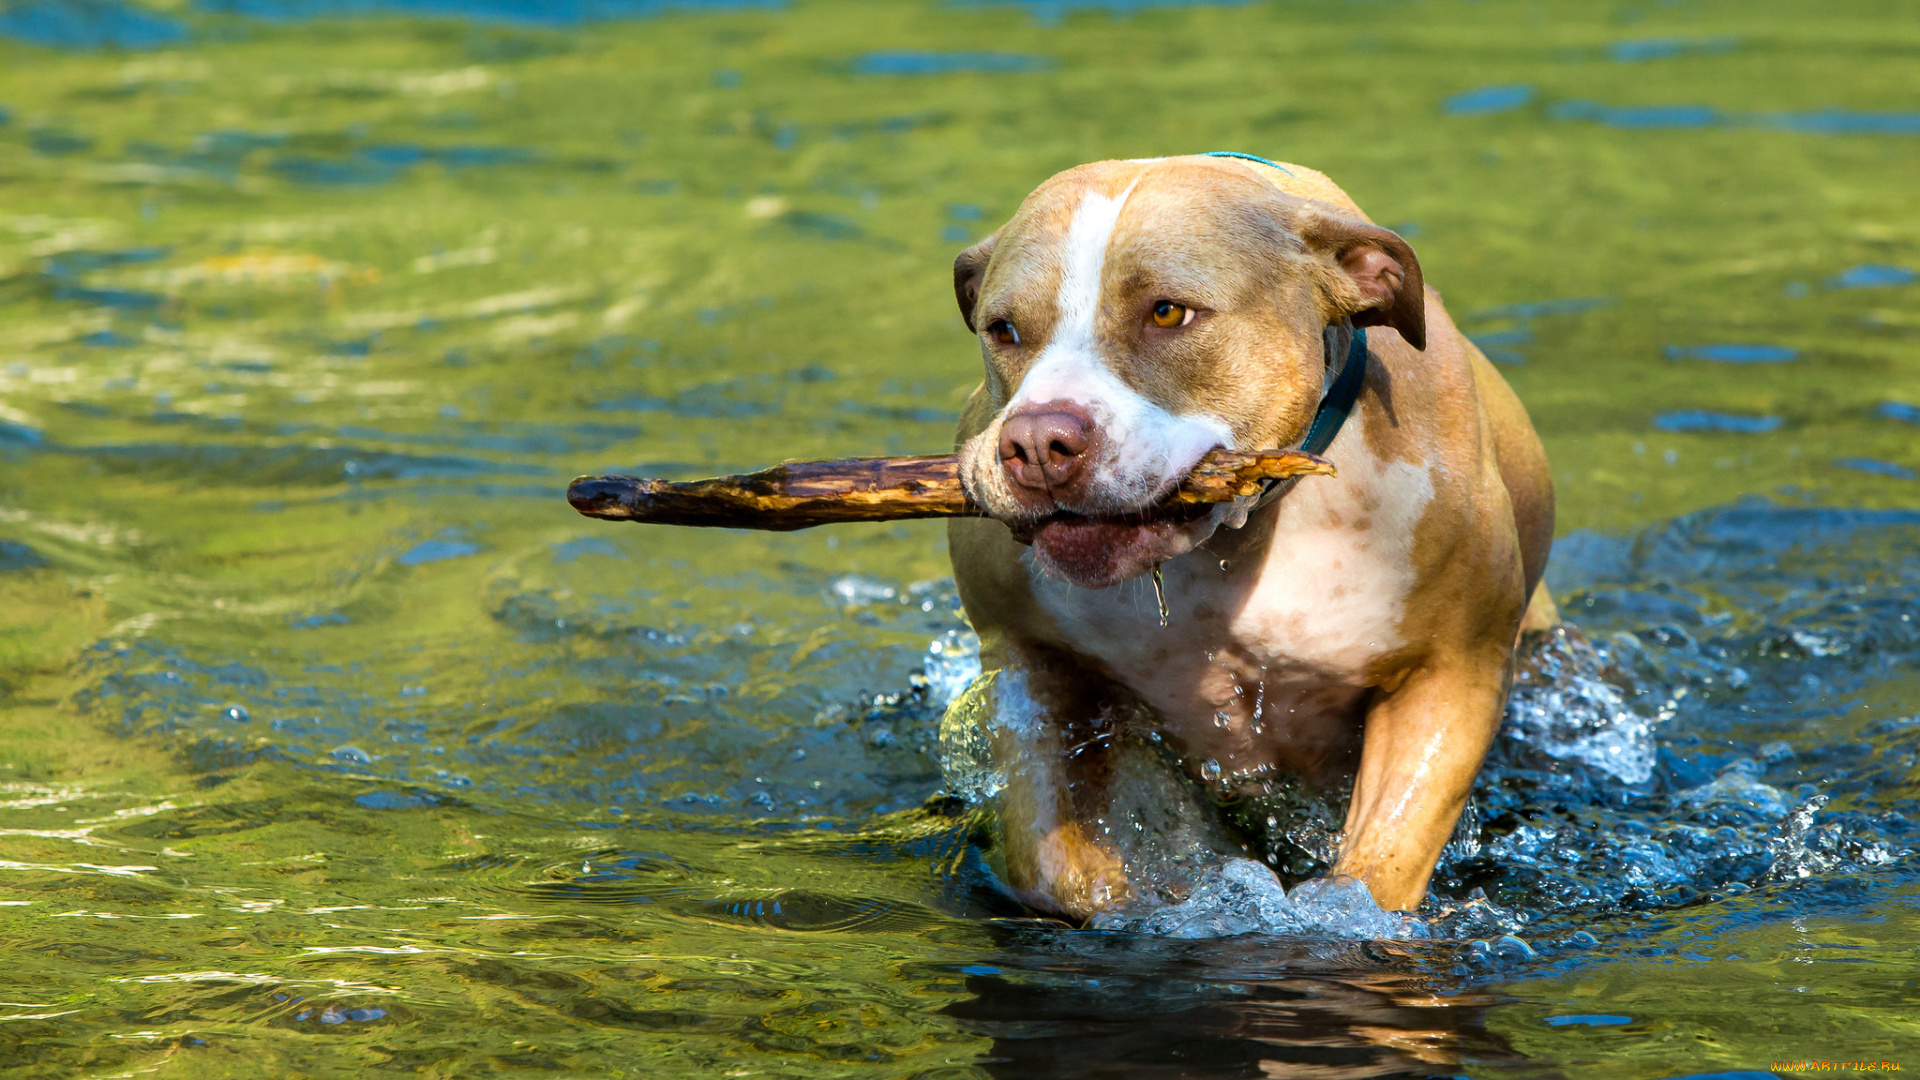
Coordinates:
[969,269]
[1376,263]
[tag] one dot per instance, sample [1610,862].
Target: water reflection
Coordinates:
[1083,1005]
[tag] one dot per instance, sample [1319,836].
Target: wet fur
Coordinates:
[1370,617]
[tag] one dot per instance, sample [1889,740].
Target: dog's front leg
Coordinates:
[1052,853]
[1049,740]
[1423,745]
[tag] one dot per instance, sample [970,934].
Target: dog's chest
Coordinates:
[1292,629]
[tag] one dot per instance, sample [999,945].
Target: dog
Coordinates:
[1359,628]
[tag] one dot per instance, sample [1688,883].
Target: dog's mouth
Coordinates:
[1168,514]
[1098,550]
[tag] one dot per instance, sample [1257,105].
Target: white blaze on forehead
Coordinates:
[1146,445]
[1083,258]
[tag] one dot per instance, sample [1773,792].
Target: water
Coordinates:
[333,739]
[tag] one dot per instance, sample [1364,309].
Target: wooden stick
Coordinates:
[802,494]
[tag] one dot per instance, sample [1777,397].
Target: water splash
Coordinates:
[1657,758]
[1240,896]
[966,742]
[953,662]
[1564,706]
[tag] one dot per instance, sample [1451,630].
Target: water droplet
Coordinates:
[1160,594]
[1211,770]
[1225,566]
[1508,947]
[237,713]
[1220,719]
[1272,821]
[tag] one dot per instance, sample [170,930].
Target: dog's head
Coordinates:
[1135,315]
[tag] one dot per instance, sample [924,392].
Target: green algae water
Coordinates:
[332,740]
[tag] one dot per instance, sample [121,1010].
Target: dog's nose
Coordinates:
[1046,449]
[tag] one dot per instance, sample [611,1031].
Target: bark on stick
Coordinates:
[802,494]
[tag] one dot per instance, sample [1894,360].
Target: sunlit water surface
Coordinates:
[333,739]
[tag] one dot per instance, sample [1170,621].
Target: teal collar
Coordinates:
[1332,414]
[1248,157]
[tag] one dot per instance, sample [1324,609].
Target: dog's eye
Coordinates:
[1167,314]
[1003,332]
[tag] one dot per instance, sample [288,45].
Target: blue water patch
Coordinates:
[108,339]
[1734,354]
[822,226]
[1843,122]
[331,1015]
[1534,309]
[1487,100]
[232,143]
[52,142]
[255,465]
[1875,467]
[16,556]
[1499,345]
[956,234]
[1900,410]
[1052,12]
[69,265]
[385,162]
[393,800]
[1502,346]
[570,550]
[65,271]
[503,437]
[472,157]
[1702,420]
[124,299]
[1666,48]
[1872,276]
[314,622]
[915,62]
[18,435]
[1638,117]
[1819,122]
[218,154]
[90,24]
[711,401]
[526,12]
[431,551]
[908,414]
[1588,1020]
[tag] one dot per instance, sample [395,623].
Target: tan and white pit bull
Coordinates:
[1134,315]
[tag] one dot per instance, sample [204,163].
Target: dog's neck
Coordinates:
[1340,389]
